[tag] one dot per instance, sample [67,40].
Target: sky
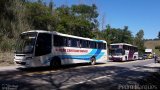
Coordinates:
[136,14]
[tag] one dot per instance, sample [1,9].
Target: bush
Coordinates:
[7,45]
[157,47]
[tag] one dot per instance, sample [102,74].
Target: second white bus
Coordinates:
[123,52]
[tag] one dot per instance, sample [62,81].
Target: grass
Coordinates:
[6,58]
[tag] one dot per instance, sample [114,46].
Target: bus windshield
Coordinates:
[26,42]
[116,52]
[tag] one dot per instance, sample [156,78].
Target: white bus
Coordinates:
[123,52]
[45,48]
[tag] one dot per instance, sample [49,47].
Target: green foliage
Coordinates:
[114,35]
[126,36]
[117,35]
[13,21]
[138,41]
[7,44]
[80,20]
[77,20]
[85,11]
[22,15]
[157,47]
[39,15]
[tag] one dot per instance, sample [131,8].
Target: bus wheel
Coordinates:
[55,63]
[93,60]
[125,58]
[134,57]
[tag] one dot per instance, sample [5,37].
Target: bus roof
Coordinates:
[123,44]
[61,34]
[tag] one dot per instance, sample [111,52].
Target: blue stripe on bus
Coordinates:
[95,52]
[98,54]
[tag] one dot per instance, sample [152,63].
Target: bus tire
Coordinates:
[93,60]
[125,58]
[134,57]
[55,62]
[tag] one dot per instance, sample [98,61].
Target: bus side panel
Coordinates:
[71,55]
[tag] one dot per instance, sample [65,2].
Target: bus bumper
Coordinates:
[116,59]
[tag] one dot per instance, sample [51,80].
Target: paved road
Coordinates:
[80,77]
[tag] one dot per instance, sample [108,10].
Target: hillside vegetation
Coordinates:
[18,16]
[80,20]
[152,44]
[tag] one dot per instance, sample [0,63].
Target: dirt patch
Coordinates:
[6,58]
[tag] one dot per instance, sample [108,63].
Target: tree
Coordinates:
[106,34]
[22,15]
[117,35]
[79,20]
[13,21]
[139,41]
[126,35]
[51,6]
[40,16]
[159,35]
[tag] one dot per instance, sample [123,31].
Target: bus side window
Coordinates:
[43,44]
[99,45]
[88,44]
[93,44]
[84,44]
[69,42]
[74,42]
[78,43]
[58,40]
[65,41]
[96,45]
